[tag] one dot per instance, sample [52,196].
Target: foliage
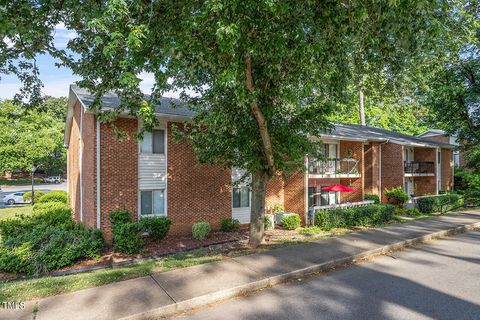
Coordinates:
[27,196]
[291,221]
[30,137]
[277,208]
[311,230]
[362,216]
[54,196]
[372,197]
[268,222]
[407,212]
[46,241]
[229,225]
[156,227]
[441,203]
[12,212]
[396,196]
[200,230]
[467,183]
[127,236]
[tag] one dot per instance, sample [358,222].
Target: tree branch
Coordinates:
[259,116]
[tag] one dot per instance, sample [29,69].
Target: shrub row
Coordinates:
[441,203]
[361,216]
[46,241]
[396,196]
[127,234]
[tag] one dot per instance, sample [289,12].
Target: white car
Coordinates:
[14,198]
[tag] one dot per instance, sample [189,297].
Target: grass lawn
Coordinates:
[9,212]
[25,290]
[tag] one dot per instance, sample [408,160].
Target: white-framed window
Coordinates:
[152,202]
[153,142]
[241,197]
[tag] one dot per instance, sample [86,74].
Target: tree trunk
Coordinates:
[257,214]
[360,102]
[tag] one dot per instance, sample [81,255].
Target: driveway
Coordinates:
[435,281]
[40,187]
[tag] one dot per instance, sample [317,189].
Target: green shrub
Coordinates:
[442,203]
[229,225]
[46,241]
[200,230]
[278,207]
[291,222]
[396,196]
[120,216]
[267,223]
[27,196]
[311,230]
[156,227]
[362,216]
[407,212]
[374,197]
[54,196]
[127,238]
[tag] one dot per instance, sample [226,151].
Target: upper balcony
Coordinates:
[419,168]
[334,168]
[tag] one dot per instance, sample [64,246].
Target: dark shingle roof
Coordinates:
[366,133]
[110,101]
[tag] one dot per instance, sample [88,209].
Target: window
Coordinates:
[330,150]
[153,142]
[241,197]
[152,202]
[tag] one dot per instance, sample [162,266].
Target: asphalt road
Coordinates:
[440,280]
[42,187]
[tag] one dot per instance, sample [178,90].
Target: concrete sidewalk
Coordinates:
[182,289]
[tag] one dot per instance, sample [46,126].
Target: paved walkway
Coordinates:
[183,288]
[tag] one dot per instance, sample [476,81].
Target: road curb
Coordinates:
[204,300]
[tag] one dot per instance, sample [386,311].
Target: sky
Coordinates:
[56,80]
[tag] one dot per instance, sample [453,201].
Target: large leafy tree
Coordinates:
[31,137]
[266,73]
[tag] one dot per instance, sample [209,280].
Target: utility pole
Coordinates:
[360,102]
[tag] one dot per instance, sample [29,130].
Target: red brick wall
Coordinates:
[439,138]
[392,167]
[447,170]
[195,192]
[295,194]
[73,165]
[424,185]
[119,171]
[275,192]
[89,170]
[424,154]
[358,183]
[371,168]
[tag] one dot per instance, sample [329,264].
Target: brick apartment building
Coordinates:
[157,177]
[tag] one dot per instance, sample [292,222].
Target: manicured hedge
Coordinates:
[200,230]
[54,196]
[229,225]
[291,222]
[46,241]
[396,196]
[441,203]
[361,216]
[27,196]
[374,197]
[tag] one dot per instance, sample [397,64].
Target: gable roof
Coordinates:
[175,108]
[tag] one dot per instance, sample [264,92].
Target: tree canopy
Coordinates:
[32,137]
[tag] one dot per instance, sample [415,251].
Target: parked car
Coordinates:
[53,179]
[14,198]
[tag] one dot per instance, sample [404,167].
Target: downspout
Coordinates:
[98,174]
[81,163]
[380,168]
[307,218]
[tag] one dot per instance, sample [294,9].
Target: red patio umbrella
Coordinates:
[338,188]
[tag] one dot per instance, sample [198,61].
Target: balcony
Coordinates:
[419,168]
[334,168]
